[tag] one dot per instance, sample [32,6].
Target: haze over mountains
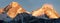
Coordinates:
[14,8]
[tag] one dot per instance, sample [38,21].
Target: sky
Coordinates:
[31,5]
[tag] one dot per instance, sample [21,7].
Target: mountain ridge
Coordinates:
[46,9]
[14,8]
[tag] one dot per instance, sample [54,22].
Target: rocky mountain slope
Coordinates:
[14,13]
[46,9]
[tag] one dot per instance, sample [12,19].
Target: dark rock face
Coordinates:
[28,18]
[22,18]
[47,21]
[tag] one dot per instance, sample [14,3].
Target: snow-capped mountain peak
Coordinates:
[46,9]
[15,9]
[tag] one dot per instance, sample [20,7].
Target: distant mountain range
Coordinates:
[15,12]
[14,8]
